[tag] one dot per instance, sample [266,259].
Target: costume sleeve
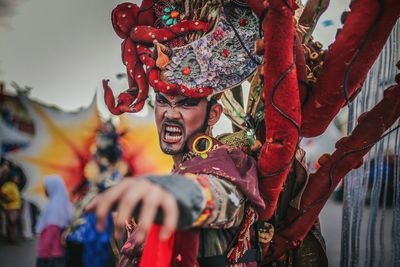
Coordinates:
[204,200]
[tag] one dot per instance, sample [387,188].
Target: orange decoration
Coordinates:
[174,14]
[186,71]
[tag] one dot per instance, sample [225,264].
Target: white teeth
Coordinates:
[173,129]
[172,133]
[168,136]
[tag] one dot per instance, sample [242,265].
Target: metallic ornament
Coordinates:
[202,145]
[232,38]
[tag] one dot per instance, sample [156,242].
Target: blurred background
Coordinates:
[53,56]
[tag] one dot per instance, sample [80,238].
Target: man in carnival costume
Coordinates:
[192,53]
[213,188]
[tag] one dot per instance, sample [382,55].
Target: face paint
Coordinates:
[177,119]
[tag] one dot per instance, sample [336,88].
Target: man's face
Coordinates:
[178,118]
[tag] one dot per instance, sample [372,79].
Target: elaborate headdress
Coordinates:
[303,87]
[195,49]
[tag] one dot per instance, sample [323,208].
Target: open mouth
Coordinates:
[172,134]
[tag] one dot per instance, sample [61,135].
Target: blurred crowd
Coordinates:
[17,216]
[65,234]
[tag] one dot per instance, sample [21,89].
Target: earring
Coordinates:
[202,145]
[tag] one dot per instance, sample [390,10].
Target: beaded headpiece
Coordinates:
[194,50]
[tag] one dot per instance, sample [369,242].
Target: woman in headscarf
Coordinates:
[55,216]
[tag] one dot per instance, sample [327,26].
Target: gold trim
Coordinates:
[195,142]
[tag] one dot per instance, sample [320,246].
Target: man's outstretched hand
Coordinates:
[128,194]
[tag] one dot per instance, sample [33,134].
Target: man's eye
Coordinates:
[162,101]
[190,103]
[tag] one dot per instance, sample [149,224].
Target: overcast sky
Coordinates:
[64,48]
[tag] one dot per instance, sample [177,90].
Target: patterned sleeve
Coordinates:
[204,200]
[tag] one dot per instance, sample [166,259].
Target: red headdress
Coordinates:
[195,51]
[183,48]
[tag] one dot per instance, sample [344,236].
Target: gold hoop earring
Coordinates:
[202,145]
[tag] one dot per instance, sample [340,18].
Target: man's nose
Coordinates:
[172,113]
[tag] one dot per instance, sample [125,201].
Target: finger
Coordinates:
[171,214]
[105,202]
[150,204]
[126,207]
[92,204]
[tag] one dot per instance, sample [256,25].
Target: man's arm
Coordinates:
[185,201]
[204,200]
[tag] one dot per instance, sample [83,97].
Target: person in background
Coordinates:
[55,217]
[11,203]
[85,246]
[4,171]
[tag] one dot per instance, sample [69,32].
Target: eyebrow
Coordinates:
[191,101]
[161,97]
[187,100]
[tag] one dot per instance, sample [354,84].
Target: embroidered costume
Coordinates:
[246,198]
[214,196]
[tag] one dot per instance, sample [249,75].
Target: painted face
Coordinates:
[177,119]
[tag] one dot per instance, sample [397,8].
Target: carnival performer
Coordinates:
[216,190]
[53,220]
[87,247]
[192,53]
[212,193]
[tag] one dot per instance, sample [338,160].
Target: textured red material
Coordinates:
[327,96]
[256,6]
[124,17]
[149,34]
[157,253]
[281,89]
[185,249]
[348,155]
[154,77]
[136,72]
[146,16]
[301,70]
[135,26]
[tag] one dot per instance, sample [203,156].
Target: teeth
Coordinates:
[172,133]
[172,137]
[173,129]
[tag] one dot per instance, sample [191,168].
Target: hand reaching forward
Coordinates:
[128,194]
